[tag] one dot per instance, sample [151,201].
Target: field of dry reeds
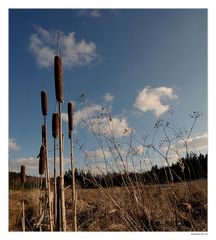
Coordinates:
[177,207]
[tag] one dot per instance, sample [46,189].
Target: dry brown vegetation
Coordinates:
[15,209]
[175,207]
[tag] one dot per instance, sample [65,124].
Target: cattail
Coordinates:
[58,78]
[44,102]
[43,134]
[55,125]
[23,176]
[42,160]
[70,116]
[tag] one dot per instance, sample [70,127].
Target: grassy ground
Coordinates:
[178,207]
[15,209]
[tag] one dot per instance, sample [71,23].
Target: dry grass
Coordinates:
[15,209]
[147,208]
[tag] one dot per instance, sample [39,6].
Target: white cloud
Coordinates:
[30,163]
[64,117]
[197,143]
[114,126]
[138,149]
[117,165]
[74,53]
[105,153]
[99,121]
[149,99]
[108,97]
[86,114]
[129,166]
[13,146]
[98,154]
[95,13]
[97,168]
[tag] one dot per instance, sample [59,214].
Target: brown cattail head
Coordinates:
[44,102]
[23,176]
[42,160]
[70,117]
[43,134]
[55,125]
[58,79]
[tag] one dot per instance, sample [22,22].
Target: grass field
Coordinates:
[178,207]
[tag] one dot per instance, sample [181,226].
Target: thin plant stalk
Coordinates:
[23,209]
[73,185]
[55,129]
[63,217]
[58,194]
[55,193]
[48,183]
[40,203]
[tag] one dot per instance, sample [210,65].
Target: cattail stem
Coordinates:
[23,208]
[23,180]
[63,218]
[73,185]
[48,180]
[58,213]
[40,202]
[58,37]
[55,193]
[55,129]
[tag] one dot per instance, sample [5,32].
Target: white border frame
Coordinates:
[40,4]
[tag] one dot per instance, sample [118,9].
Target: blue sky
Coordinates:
[140,64]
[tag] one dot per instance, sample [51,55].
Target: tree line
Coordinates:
[190,168]
[15,181]
[186,169]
